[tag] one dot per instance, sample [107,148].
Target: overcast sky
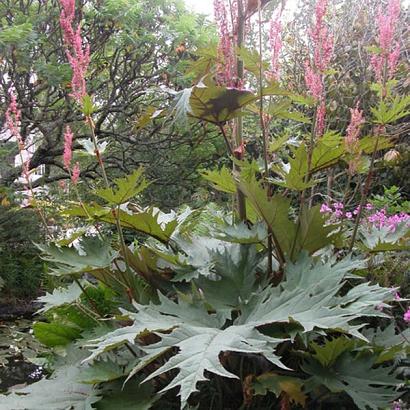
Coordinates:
[201,6]
[206,6]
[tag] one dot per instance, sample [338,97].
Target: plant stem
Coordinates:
[365,194]
[239,120]
[88,297]
[30,185]
[114,211]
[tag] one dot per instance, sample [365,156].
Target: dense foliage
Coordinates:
[265,298]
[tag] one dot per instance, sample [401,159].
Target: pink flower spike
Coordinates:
[226,70]
[393,60]
[320,119]
[406,316]
[389,53]
[68,148]
[313,82]
[75,173]
[77,55]
[275,41]
[13,115]
[353,130]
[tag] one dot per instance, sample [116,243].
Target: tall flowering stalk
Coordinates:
[385,62]
[322,42]
[230,16]
[68,148]
[384,65]
[352,137]
[67,157]
[275,43]
[226,71]
[13,118]
[78,55]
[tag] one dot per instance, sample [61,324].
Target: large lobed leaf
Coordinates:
[308,296]
[126,188]
[60,296]
[146,222]
[366,385]
[94,255]
[61,391]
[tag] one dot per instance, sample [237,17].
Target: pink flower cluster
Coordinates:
[321,38]
[13,117]
[78,56]
[406,316]
[352,137]
[275,42]
[380,219]
[68,154]
[377,218]
[322,41]
[68,148]
[313,82]
[226,72]
[388,57]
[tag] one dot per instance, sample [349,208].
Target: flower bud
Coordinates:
[392,156]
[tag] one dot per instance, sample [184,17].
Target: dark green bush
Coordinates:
[20,267]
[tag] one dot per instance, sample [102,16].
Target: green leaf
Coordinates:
[17,34]
[199,351]
[198,336]
[241,233]
[314,233]
[222,179]
[295,178]
[60,296]
[328,353]
[384,239]
[102,371]
[206,60]
[271,382]
[235,268]
[274,211]
[146,222]
[251,60]
[389,345]
[88,106]
[218,104]
[54,334]
[278,143]
[150,114]
[95,255]
[281,109]
[132,396]
[327,151]
[390,111]
[367,386]
[126,188]
[368,144]
[61,391]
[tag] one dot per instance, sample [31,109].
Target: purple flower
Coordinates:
[325,208]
